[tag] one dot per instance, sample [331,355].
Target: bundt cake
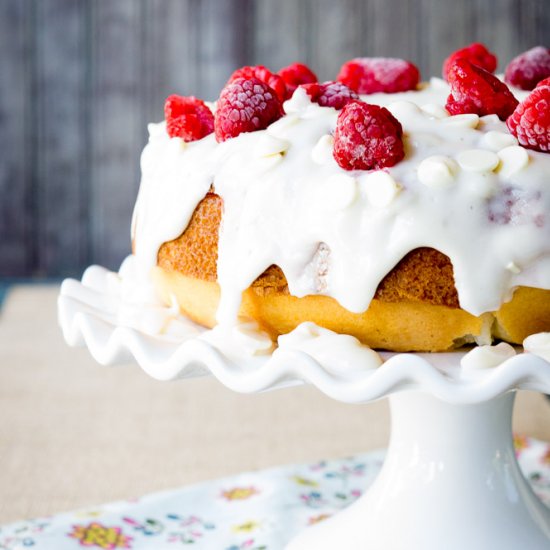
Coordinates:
[413,216]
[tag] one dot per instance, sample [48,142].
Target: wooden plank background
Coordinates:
[79,80]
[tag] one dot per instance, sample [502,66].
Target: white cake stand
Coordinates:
[450,479]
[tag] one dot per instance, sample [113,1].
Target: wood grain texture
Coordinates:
[447,27]
[222,42]
[406,39]
[494,29]
[16,148]
[336,29]
[280,36]
[80,80]
[170,51]
[117,134]
[61,197]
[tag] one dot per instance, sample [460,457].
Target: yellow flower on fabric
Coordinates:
[520,442]
[304,481]
[95,534]
[246,527]
[240,493]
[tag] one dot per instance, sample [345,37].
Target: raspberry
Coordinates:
[187,117]
[366,137]
[545,82]
[330,94]
[296,74]
[264,75]
[245,105]
[527,69]
[475,90]
[475,53]
[530,122]
[367,75]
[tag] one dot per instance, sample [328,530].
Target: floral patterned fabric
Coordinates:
[251,511]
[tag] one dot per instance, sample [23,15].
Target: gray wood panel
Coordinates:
[447,27]
[61,213]
[526,14]
[170,51]
[222,42]
[117,133]
[16,148]
[280,37]
[533,23]
[336,31]
[79,80]
[395,30]
[494,29]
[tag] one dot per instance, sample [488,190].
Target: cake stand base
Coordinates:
[450,480]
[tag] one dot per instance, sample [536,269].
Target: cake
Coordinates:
[425,228]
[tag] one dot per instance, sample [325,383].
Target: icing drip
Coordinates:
[464,188]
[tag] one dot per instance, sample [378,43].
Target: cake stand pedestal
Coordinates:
[450,479]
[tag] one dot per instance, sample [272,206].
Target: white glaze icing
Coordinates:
[124,299]
[120,300]
[138,306]
[338,353]
[287,202]
[538,344]
[252,339]
[487,357]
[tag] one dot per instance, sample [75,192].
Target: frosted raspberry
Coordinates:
[527,69]
[264,75]
[475,53]
[330,94]
[296,74]
[475,90]
[367,75]
[366,137]
[187,117]
[245,105]
[530,122]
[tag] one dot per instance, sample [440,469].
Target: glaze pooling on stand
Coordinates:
[286,199]
[116,325]
[124,301]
